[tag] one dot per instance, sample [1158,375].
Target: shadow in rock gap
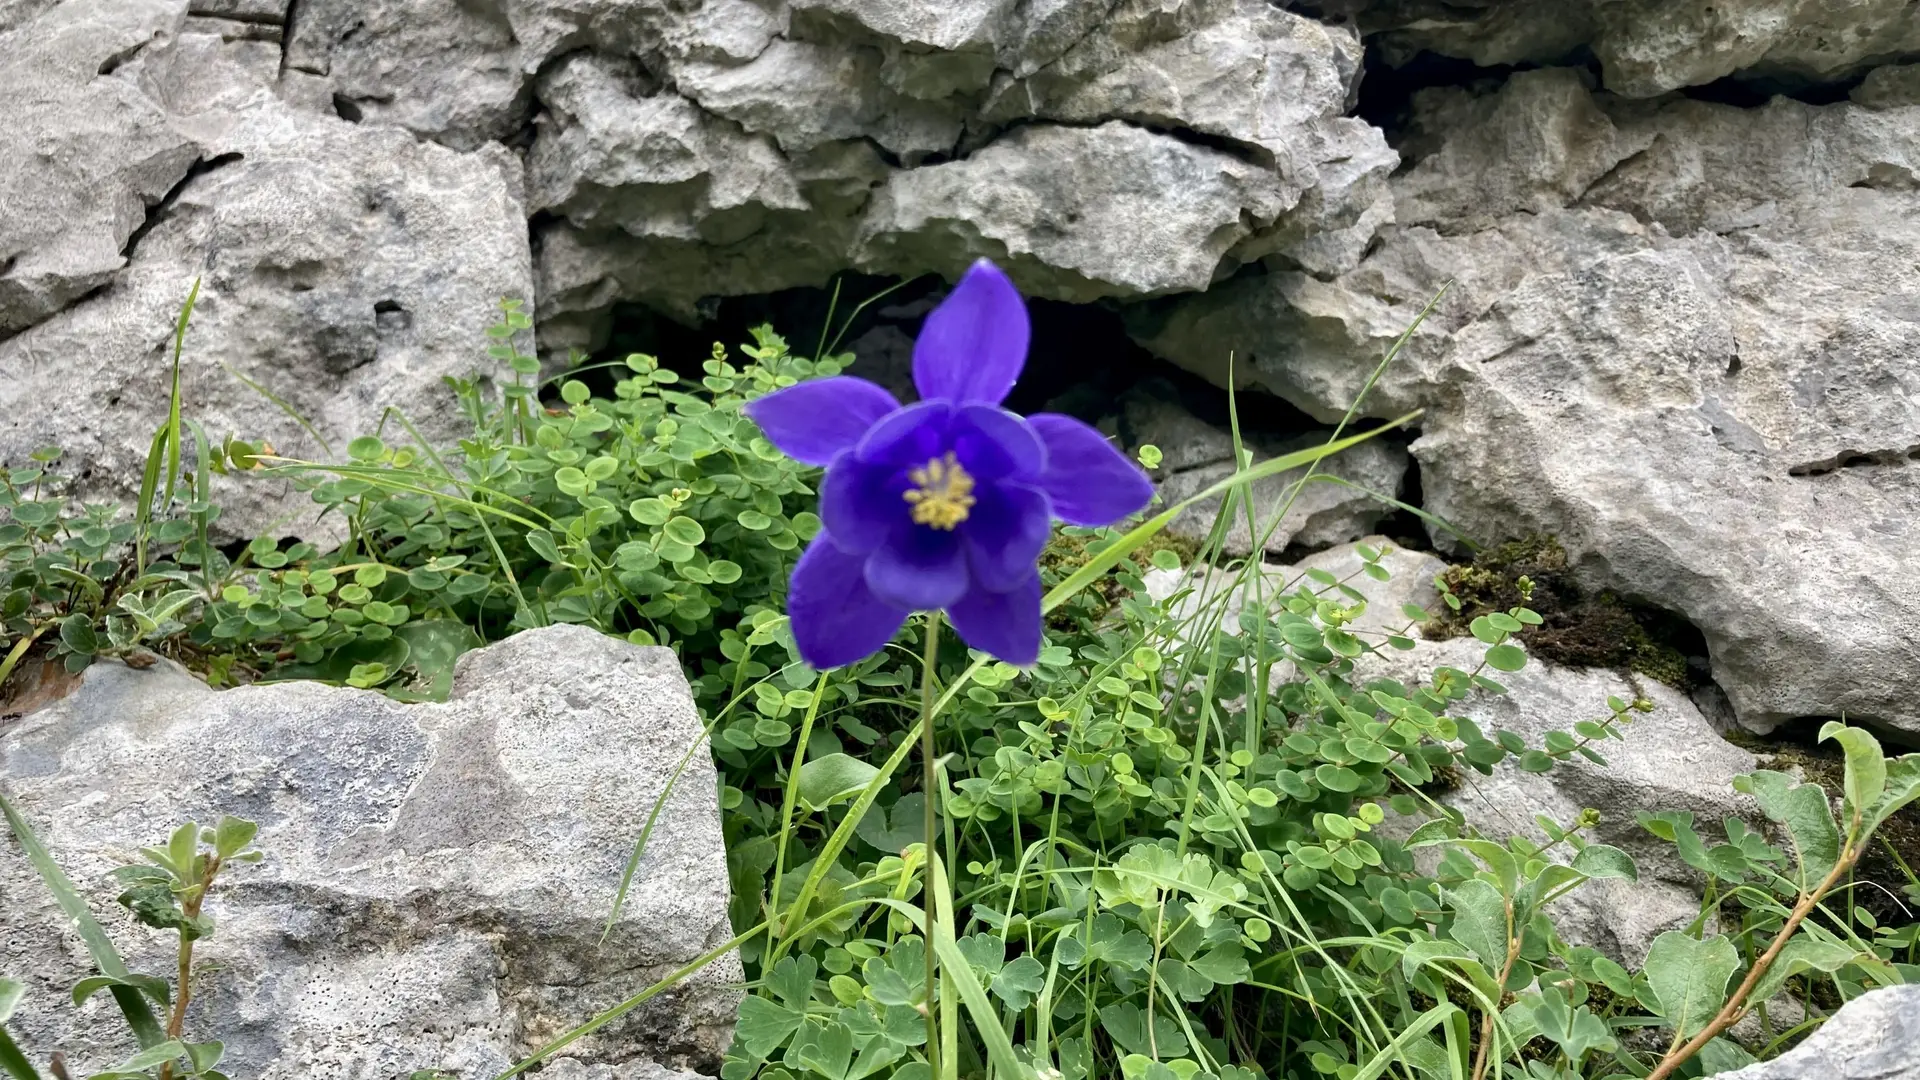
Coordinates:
[1081,361]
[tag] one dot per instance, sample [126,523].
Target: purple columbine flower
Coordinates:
[944,504]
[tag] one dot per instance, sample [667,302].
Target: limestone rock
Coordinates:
[1099,150]
[1703,387]
[1647,47]
[87,154]
[436,879]
[445,69]
[1876,1036]
[345,268]
[1671,759]
[1077,214]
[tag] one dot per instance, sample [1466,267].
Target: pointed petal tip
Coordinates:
[973,346]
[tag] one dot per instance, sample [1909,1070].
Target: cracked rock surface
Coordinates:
[1680,337]
[343,268]
[436,880]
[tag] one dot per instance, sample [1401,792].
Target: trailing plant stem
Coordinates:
[1506,972]
[1736,1006]
[931,657]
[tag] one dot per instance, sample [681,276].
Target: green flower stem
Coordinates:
[932,814]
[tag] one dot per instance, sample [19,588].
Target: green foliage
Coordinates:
[1196,841]
[165,892]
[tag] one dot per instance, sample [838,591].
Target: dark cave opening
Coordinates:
[1081,360]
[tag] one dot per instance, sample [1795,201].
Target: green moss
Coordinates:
[1066,553]
[1578,628]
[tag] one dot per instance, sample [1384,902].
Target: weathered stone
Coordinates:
[1537,145]
[447,70]
[1077,213]
[344,268]
[87,154]
[1894,85]
[1647,47]
[1671,759]
[651,165]
[437,877]
[804,94]
[1876,1036]
[1702,386]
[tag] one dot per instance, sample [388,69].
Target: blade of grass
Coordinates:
[173,398]
[1389,1053]
[12,1061]
[139,1016]
[283,405]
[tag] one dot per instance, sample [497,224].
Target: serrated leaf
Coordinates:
[762,1026]
[1804,810]
[1126,1024]
[1019,981]
[1689,978]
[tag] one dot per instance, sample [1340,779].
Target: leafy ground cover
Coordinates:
[1162,850]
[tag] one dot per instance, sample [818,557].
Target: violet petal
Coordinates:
[836,619]
[909,438]
[1004,533]
[1089,480]
[812,421]
[972,347]
[918,568]
[992,443]
[1004,624]
[862,504]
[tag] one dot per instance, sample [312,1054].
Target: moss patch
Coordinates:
[1579,629]
[1065,554]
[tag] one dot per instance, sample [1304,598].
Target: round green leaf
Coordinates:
[1506,658]
[684,530]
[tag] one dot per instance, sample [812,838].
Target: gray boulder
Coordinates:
[1647,47]
[1097,150]
[1689,358]
[87,155]
[1078,213]
[437,877]
[1876,1036]
[344,268]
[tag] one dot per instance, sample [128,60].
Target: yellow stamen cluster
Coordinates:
[944,493]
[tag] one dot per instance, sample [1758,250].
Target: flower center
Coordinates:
[943,493]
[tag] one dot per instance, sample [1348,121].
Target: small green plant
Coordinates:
[167,891]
